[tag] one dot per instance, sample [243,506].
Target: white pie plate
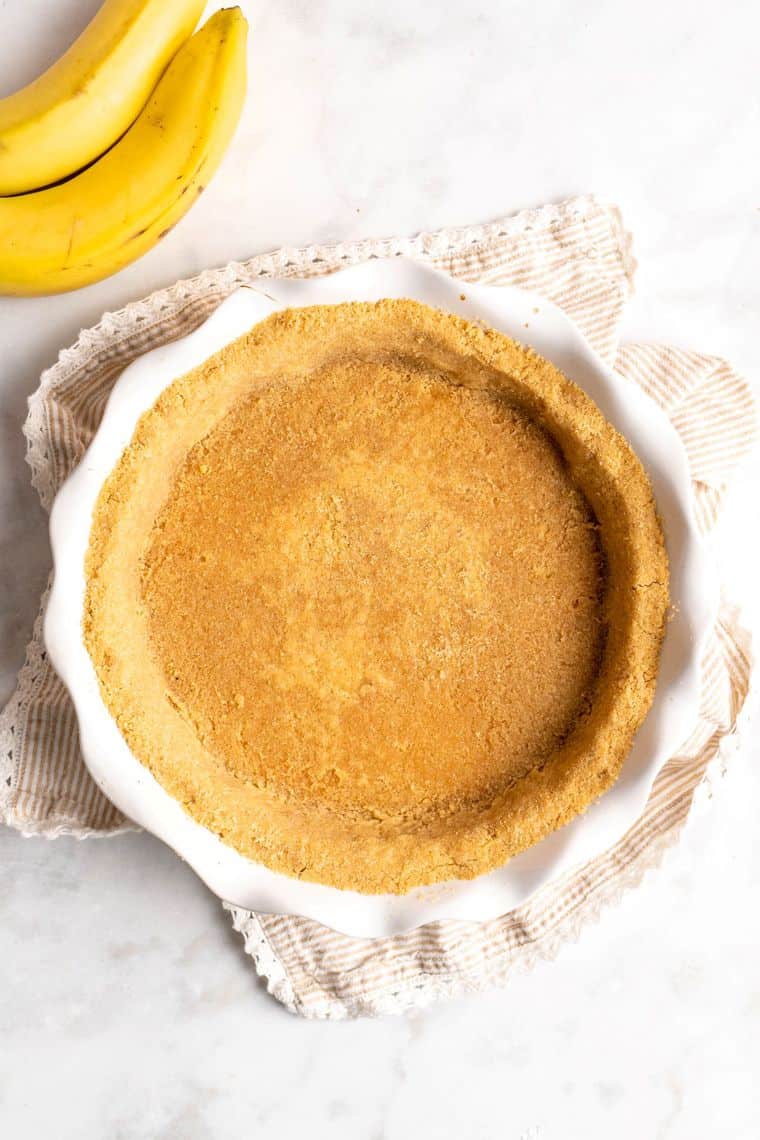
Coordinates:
[131,787]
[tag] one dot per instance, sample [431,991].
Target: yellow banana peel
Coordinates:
[90,96]
[102,219]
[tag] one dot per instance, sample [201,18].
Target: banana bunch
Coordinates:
[122,134]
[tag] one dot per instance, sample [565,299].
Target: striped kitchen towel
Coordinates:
[577,255]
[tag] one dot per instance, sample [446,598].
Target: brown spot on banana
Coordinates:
[72,231]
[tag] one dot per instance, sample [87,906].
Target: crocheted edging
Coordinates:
[27,684]
[268,966]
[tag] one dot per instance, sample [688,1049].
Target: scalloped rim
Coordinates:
[527,318]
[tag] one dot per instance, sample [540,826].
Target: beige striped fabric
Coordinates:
[576,254]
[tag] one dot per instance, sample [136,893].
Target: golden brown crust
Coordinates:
[378,595]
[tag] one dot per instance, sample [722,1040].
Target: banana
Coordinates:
[100,220]
[88,99]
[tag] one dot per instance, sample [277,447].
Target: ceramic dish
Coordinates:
[131,787]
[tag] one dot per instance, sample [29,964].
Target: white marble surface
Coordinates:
[126,1007]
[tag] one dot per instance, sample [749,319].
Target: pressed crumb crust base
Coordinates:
[378,595]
